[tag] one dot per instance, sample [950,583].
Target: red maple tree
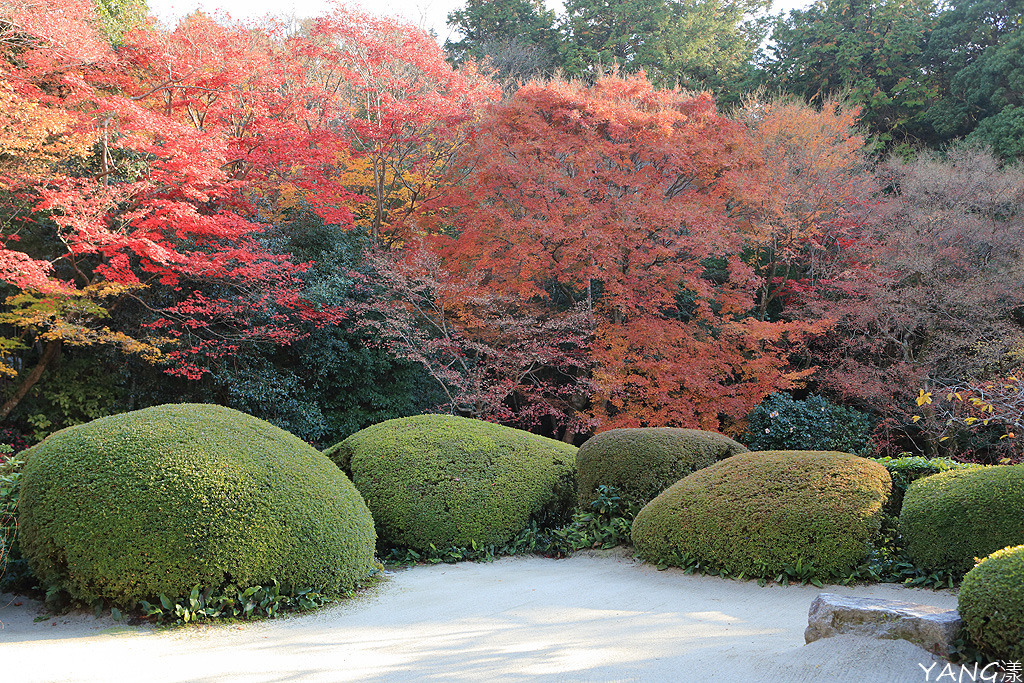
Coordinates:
[148,214]
[624,199]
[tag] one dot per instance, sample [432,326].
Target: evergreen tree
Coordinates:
[516,37]
[869,49]
[976,56]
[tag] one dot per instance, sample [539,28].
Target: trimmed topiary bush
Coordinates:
[951,518]
[156,501]
[449,481]
[991,604]
[759,514]
[907,469]
[641,463]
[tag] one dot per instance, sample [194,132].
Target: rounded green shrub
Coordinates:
[449,481]
[641,463]
[951,518]
[156,501]
[760,513]
[992,604]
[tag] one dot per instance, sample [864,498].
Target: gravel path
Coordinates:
[592,617]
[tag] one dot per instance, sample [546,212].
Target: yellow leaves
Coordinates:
[34,137]
[72,319]
[7,346]
[923,397]
[916,418]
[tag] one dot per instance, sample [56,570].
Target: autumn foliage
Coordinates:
[619,199]
[566,256]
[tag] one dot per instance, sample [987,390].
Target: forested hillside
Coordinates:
[627,214]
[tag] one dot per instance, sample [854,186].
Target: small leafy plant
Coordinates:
[255,602]
[14,572]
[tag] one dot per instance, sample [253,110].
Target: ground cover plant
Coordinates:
[443,480]
[10,489]
[156,502]
[602,524]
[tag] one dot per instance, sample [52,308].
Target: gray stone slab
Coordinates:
[932,628]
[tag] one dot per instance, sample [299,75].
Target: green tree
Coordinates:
[976,56]
[869,49]
[698,44]
[517,38]
[117,17]
[606,32]
[710,44]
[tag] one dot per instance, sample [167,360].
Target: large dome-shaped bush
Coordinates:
[156,501]
[992,604]
[951,518]
[641,463]
[450,481]
[756,513]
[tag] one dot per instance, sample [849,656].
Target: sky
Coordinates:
[430,14]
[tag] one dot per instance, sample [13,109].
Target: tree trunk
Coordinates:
[50,352]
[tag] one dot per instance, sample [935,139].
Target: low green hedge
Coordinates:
[992,604]
[758,514]
[447,481]
[641,463]
[907,469]
[951,518]
[156,501]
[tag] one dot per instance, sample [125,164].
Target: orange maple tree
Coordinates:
[813,177]
[625,199]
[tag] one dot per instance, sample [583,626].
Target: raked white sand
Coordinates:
[592,617]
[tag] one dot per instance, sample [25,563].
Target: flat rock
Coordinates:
[932,628]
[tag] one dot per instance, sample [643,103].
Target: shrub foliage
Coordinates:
[158,501]
[781,422]
[444,481]
[757,514]
[951,518]
[641,463]
[906,469]
[992,604]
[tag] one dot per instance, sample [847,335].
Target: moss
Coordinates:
[641,463]
[757,513]
[992,604]
[951,518]
[156,501]
[452,481]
